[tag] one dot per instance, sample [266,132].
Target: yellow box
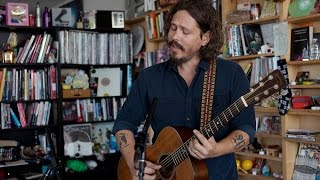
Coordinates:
[76,93]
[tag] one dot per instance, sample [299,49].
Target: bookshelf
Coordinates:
[295,118]
[41,87]
[108,60]
[301,118]
[275,163]
[152,45]
[27,87]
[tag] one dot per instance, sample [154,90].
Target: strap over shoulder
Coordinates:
[208,93]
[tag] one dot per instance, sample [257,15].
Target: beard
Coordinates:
[177,61]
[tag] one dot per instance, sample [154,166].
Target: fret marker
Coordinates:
[244,101]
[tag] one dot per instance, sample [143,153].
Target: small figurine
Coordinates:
[100,138]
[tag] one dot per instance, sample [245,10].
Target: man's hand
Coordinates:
[149,171]
[203,148]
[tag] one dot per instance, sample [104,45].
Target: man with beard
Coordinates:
[193,32]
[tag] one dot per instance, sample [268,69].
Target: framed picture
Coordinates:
[17,14]
[73,15]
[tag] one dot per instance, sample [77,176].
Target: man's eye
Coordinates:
[173,27]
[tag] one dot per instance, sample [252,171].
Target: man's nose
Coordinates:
[176,34]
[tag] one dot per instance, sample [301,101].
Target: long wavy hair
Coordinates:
[208,20]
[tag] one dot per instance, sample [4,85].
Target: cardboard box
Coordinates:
[76,93]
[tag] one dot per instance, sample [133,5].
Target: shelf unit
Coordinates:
[301,118]
[26,136]
[276,164]
[126,76]
[150,44]
[27,96]
[295,118]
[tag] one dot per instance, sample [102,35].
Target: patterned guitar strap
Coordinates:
[207,94]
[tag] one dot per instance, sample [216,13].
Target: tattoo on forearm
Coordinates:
[122,140]
[238,142]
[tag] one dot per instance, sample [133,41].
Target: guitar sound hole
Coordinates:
[166,170]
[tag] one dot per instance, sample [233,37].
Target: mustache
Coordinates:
[175,43]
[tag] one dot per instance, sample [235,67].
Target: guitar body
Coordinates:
[167,142]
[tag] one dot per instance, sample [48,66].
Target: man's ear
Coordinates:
[205,38]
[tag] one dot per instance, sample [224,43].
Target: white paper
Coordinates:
[280,34]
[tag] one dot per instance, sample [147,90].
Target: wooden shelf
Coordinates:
[313,17]
[260,109]
[250,154]
[252,56]
[314,86]
[302,141]
[298,63]
[135,20]
[268,135]
[258,176]
[259,21]
[304,112]
[160,39]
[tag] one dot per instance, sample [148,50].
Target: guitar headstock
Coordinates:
[272,83]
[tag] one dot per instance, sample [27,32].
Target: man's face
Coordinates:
[184,38]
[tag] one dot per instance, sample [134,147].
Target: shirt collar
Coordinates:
[204,65]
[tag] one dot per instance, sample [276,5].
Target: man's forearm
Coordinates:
[125,140]
[235,141]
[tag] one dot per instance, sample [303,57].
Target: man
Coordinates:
[193,32]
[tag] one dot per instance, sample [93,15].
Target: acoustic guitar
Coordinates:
[170,149]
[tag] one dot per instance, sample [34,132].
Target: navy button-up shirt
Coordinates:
[179,105]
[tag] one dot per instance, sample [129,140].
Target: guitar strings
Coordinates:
[167,161]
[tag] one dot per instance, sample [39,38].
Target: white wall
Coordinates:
[104,4]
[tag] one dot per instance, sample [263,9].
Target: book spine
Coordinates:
[15,119]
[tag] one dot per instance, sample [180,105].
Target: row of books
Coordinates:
[25,115]
[36,49]
[243,39]
[155,23]
[91,110]
[260,68]
[27,84]
[78,47]
[301,41]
